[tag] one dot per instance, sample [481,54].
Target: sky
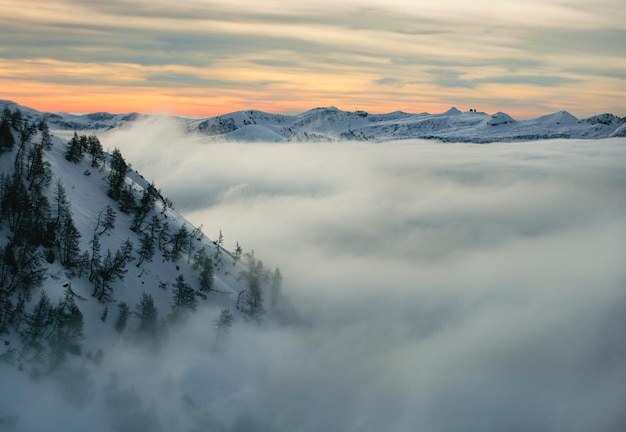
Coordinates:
[201,58]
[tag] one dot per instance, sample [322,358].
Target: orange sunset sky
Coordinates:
[196,57]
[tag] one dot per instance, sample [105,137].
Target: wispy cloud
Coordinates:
[298,44]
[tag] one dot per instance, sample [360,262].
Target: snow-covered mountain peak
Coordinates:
[559,118]
[452,111]
[500,118]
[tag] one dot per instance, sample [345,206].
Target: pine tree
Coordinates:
[27,132]
[145,204]
[15,198]
[225,319]
[184,298]
[106,220]
[38,170]
[68,242]
[112,267]
[74,149]
[38,322]
[148,318]
[94,263]
[223,324]
[68,332]
[237,254]
[117,176]
[219,244]
[16,119]
[126,199]
[21,268]
[61,206]
[204,265]
[146,249]
[46,139]
[94,148]
[250,301]
[163,237]
[122,318]
[180,241]
[275,286]
[83,265]
[7,140]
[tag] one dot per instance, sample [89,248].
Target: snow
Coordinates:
[500,118]
[86,189]
[331,124]
[477,312]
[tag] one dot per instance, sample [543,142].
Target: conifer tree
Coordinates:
[112,267]
[275,286]
[117,176]
[7,140]
[106,220]
[145,204]
[122,318]
[68,331]
[223,324]
[46,139]
[148,316]
[68,242]
[250,300]
[146,249]
[184,298]
[180,242]
[38,170]
[94,148]
[74,149]
[94,263]
[219,243]
[15,198]
[237,254]
[204,265]
[61,205]
[37,324]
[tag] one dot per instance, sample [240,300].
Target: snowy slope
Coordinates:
[86,188]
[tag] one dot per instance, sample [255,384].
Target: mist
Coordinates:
[436,287]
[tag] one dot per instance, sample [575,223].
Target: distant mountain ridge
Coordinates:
[332,124]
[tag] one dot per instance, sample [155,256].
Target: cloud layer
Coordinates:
[438,287]
[209,58]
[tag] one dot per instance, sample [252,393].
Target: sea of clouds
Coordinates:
[436,286]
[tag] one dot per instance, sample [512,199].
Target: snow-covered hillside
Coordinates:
[332,124]
[93,257]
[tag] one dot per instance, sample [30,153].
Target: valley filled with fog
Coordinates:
[433,286]
[437,286]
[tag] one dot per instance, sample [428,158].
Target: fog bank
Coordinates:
[438,287]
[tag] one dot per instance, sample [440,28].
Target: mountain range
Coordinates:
[332,124]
